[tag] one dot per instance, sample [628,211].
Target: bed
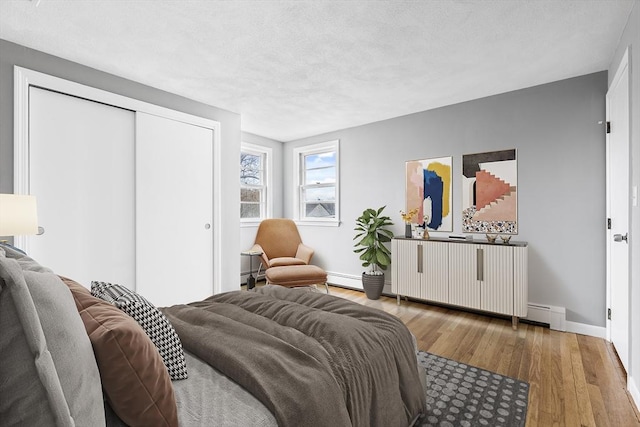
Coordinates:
[273,356]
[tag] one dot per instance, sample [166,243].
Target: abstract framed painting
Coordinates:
[490,192]
[428,189]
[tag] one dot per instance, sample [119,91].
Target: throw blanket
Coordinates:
[312,359]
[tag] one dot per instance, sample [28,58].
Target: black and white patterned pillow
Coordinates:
[154,323]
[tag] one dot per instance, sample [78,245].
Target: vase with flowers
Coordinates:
[407,217]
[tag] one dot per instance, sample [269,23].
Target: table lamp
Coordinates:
[18,215]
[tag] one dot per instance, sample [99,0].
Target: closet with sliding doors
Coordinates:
[124,188]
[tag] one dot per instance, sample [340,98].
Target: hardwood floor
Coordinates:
[575,380]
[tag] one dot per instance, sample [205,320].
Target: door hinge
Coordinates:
[608,223]
[608,313]
[608,127]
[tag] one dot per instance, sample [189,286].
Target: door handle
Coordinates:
[480,264]
[620,237]
[420,260]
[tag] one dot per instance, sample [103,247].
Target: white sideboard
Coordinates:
[482,276]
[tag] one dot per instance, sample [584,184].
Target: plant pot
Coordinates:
[373,285]
[407,230]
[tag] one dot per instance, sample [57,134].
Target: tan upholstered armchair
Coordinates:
[280,243]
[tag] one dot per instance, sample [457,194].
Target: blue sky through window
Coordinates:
[320,168]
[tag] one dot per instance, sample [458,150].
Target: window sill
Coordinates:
[326,223]
[301,223]
[250,223]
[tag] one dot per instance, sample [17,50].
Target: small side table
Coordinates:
[251,281]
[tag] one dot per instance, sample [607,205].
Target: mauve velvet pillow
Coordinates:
[134,377]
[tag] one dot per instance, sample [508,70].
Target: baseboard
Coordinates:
[555,317]
[346,280]
[632,387]
[550,315]
[584,329]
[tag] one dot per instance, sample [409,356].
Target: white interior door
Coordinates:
[618,207]
[174,210]
[81,171]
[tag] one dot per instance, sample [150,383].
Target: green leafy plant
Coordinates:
[372,235]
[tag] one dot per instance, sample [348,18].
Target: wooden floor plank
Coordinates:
[569,393]
[600,413]
[534,377]
[552,404]
[579,377]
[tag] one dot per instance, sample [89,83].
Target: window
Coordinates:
[255,203]
[317,186]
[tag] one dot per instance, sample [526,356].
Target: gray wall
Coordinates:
[631,39]
[248,232]
[561,181]
[12,54]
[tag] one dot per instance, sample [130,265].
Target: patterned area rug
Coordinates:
[466,396]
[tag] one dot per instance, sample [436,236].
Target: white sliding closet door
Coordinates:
[81,163]
[174,210]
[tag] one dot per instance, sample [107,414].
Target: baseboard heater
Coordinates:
[555,317]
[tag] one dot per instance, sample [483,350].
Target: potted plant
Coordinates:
[372,234]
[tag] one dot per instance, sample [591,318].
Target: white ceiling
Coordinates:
[299,68]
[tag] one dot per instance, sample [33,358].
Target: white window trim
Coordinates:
[246,147]
[297,182]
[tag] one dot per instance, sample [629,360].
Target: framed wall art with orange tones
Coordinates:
[490,192]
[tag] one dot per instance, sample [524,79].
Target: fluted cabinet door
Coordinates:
[497,285]
[520,281]
[420,269]
[464,275]
[405,277]
[435,276]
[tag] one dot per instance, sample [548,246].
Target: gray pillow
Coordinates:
[70,347]
[25,261]
[30,391]
[67,340]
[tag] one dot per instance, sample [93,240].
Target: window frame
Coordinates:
[299,185]
[266,187]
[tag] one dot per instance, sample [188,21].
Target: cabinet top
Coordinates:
[498,242]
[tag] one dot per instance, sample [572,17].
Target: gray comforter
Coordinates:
[311,359]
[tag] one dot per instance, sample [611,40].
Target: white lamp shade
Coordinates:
[18,215]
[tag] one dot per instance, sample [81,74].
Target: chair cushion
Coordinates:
[282,261]
[296,275]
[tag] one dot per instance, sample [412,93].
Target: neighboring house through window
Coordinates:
[316,171]
[255,197]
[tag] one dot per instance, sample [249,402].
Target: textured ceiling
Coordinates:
[299,68]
